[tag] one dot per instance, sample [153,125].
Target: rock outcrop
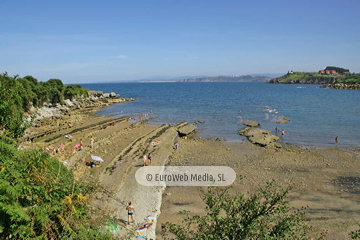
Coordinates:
[185,129]
[342,86]
[283,120]
[54,111]
[260,137]
[251,123]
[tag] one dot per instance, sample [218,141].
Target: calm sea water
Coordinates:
[317,115]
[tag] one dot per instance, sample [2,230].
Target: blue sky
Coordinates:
[96,41]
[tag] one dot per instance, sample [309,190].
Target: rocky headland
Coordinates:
[305,78]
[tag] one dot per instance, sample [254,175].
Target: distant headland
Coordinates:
[235,78]
[331,77]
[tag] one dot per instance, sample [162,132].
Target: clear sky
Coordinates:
[96,41]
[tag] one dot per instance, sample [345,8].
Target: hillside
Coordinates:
[349,82]
[306,78]
[244,78]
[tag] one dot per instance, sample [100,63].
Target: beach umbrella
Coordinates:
[96,158]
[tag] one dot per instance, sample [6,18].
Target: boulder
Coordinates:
[185,129]
[114,95]
[95,93]
[251,123]
[260,137]
[68,103]
[283,120]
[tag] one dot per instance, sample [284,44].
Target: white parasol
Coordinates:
[96,158]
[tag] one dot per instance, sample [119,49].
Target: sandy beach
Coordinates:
[326,180]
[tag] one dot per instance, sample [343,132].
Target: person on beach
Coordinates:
[68,136]
[151,111]
[62,148]
[176,146]
[92,143]
[277,130]
[149,158]
[75,147]
[144,159]
[130,210]
[283,133]
[336,140]
[81,145]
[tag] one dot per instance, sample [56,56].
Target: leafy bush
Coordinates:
[11,106]
[351,79]
[75,90]
[264,215]
[39,198]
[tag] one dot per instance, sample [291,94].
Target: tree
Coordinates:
[11,105]
[263,215]
[56,83]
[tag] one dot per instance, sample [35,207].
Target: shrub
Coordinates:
[39,198]
[263,215]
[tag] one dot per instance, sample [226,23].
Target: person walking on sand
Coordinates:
[92,143]
[144,159]
[149,158]
[336,140]
[130,210]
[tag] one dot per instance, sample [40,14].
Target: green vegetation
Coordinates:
[39,197]
[263,215]
[337,69]
[350,79]
[19,94]
[307,77]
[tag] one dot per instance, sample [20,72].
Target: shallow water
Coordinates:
[317,115]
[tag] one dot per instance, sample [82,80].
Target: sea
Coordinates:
[317,115]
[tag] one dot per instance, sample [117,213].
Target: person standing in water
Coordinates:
[336,140]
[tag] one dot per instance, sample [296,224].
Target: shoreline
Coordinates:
[126,142]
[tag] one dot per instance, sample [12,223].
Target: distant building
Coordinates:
[328,72]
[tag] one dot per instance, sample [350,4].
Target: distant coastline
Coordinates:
[244,78]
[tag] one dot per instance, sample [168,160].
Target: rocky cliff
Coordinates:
[95,99]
